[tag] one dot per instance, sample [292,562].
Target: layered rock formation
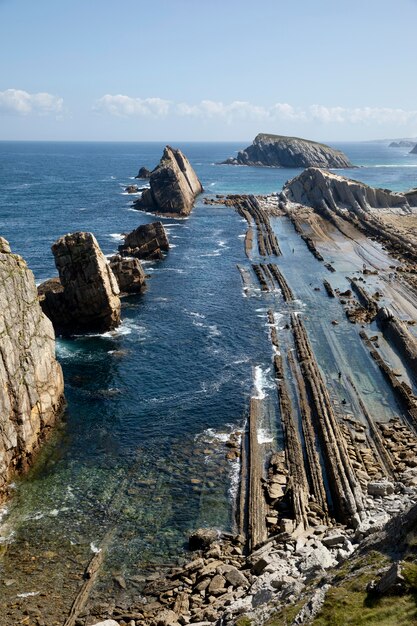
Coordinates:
[280,151]
[129,274]
[146,242]
[31,392]
[318,188]
[173,186]
[85,298]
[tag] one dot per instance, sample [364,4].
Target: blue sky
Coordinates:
[196,70]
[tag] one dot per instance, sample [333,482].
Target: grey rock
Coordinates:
[233,576]
[380,488]
[31,381]
[280,151]
[173,186]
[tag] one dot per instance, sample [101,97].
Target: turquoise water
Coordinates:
[142,447]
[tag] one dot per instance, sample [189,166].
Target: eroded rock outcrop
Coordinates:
[280,151]
[148,241]
[173,186]
[85,298]
[143,173]
[316,188]
[129,274]
[31,393]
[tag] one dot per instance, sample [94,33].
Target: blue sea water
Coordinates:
[151,405]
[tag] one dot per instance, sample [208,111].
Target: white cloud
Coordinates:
[125,106]
[19,102]
[238,110]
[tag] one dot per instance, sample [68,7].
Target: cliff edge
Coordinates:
[280,151]
[32,385]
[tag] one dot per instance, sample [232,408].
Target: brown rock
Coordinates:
[88,298]
[173,185]
[148,241]
[129,274]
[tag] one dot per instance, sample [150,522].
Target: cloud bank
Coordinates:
[19,102]
[126,106]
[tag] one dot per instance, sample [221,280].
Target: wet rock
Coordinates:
[31,381]
[202,538]
[173,185]
[280,151]
[132,189]
[86,298]
[129,274]
[148,241]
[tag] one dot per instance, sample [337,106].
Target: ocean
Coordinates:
[141,449]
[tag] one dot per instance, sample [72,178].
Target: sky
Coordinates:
[198,70]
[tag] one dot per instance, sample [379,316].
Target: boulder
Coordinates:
[280,151]
[146,242]
[143,173]
[85,298]
[380,488]
[129,274]
[202,538]
[173,186]
[31,381]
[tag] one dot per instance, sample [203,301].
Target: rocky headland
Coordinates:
[85,297]
[280,151]
[174,186]
[403,143]
[32,387]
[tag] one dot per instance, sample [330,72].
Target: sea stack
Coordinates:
[148,241]
[280,151]
[173,186]
[414,150]
[85,298]
[32,386]
[316,188]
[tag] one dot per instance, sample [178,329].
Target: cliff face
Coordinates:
[279,151]
[32,387]
[317,188]
[86,296]
[173,185]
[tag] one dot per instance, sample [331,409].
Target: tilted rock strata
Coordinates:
[86,298]
[129,274]
[146,242]
[173,185]
[315,187]
[32,385]
[280,151]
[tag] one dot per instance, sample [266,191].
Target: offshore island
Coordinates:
[324,511]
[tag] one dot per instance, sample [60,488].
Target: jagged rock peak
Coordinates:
[86,296]
[31,382]
[174,185]
[148,241]
[414,150]
[281,151]
[316,188]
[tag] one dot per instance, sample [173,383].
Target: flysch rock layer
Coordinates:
[316,188]
[32,387]
[173,186]
[280,151]
[148,241]
[85,298]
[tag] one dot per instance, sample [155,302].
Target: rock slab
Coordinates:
[85,298]
[174,186]
[32,387]
[280,151]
